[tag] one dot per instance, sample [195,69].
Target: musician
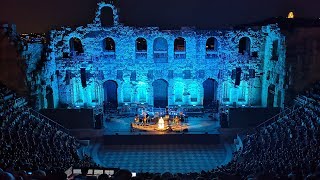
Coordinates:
[136,119]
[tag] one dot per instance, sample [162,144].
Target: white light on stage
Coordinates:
[243,105]
[161,123]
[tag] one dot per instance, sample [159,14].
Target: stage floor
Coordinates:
[162,158]
[197,125]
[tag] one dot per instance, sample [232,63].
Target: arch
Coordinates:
[110,94]
[107,16]
[180,44]
[210,87]
[141,48]
[100,14]
[211,44]
[271,92]
[160,93]
[75,45]
[244,45]
[160,50]
[49,97]
[160,44]
[180,48]
[141,44]
[109,44]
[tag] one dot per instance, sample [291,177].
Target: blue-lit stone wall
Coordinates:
[183,70]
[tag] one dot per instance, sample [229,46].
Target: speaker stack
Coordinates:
[83,77]
[238,76]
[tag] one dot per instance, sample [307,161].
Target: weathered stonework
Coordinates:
[185,70]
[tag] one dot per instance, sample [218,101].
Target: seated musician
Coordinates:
[181,116]
[136,119]
[176,120]
[145,120]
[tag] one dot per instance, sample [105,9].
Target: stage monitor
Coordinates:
[76,171]
[98,172]
[68,172]
[90,171]
[109,172]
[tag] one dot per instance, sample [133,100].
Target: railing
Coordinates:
[160,56]
[48,120]
[109,55]
[212,55]
[179,54]
[141,55]
[282,114]
[286,112]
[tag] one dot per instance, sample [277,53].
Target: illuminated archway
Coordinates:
[160,93]
[141,44]
[109,44]
[141,48]
[160,50]
[106,17]
[209,93]
[110,94]
[244,45]
[211,44]
[75,45]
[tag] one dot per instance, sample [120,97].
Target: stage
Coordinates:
[204,123]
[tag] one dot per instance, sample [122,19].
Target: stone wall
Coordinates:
[184,71]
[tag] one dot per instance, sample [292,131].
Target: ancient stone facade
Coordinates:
[125,65]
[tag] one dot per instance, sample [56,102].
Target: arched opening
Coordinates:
[75,46]
[210,93]
[106,17]
[179,48]
[109,45]
[160,50]
[212,44]
[160,93]
[110,94]
[275,45]
[141,48]
[211,48]
[49,97]
[271,92]
[244,45]
[279,99]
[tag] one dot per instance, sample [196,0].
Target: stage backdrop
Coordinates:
[250,117]
[71,118]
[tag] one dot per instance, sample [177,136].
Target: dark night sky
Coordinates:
[40,15]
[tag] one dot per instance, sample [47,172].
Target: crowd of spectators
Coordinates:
[30,146]
[288,148]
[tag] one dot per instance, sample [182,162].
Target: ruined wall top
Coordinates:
[110,4]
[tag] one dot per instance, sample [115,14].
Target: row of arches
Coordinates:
[160,45]
[160,92]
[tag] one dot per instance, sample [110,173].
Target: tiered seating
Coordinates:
[29,143]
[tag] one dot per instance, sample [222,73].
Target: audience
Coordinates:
[29,146]
[288,148]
